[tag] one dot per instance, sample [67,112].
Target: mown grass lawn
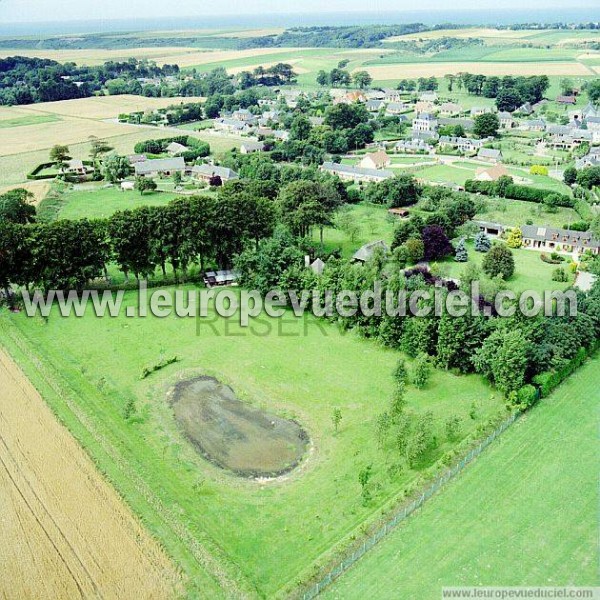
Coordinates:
[264,536]
[371,222]
[525,513]
[531,273]
[518,212]
[94,202]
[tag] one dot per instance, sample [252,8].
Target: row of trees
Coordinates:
[192,231]
[510,92]
[29,80]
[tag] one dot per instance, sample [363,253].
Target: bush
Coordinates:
[499,261]
[554,259]
[578,226]
[538,170]
[482,242]
[165,362]
[526,397]
[549,381]
[560,275]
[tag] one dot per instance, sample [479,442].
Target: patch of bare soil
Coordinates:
[234,435]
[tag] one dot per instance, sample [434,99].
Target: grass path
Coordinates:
[525,513]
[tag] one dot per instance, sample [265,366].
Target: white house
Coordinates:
[424,122]
[375,160]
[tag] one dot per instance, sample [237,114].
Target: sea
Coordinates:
[267,20]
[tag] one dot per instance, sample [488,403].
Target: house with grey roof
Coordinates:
[356,174]
[365,253]
[466,124]
[160,167]
[209,172]
[462,144]
[174,148]
[252,147]
[374,105]
[533,125]
[591,159]
[489,154]
[232,126]
[396,108]
[563,241]
[506,120]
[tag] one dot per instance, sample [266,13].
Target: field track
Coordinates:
[65,531]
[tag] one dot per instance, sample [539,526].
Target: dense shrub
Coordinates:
[514,191]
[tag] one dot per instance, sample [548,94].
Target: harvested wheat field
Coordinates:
[98,56]
[65,531]
[39,189]
[433,69]
[105,107]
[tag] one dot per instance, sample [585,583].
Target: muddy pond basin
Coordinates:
[234,435]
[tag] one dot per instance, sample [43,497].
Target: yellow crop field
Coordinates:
[93,56]
[468,32]
[16,140]
[105,107]
[39,189]
[65,531]
[183,56]
[430,69]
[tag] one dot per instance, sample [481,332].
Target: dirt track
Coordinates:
[65,533]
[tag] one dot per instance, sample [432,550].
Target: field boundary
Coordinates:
[406,511]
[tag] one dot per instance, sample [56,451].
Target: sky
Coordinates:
[53,10]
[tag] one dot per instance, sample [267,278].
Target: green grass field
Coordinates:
[371,223]
[525,513]
[30,120]
[295,368]
[531,273]
[518,212]
[93,201]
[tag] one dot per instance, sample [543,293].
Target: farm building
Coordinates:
[491,173]
[490,229]
[136,158]
[366,252]
[558,240]
[76,167]
[251,147]
[160,167]
[175,148]
[356,174]
[220,278]
[208,172]
[375,160]
[566,100]
[489,154]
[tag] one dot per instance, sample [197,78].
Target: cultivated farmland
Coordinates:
[65,532]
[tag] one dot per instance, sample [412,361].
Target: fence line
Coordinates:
[404,512]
